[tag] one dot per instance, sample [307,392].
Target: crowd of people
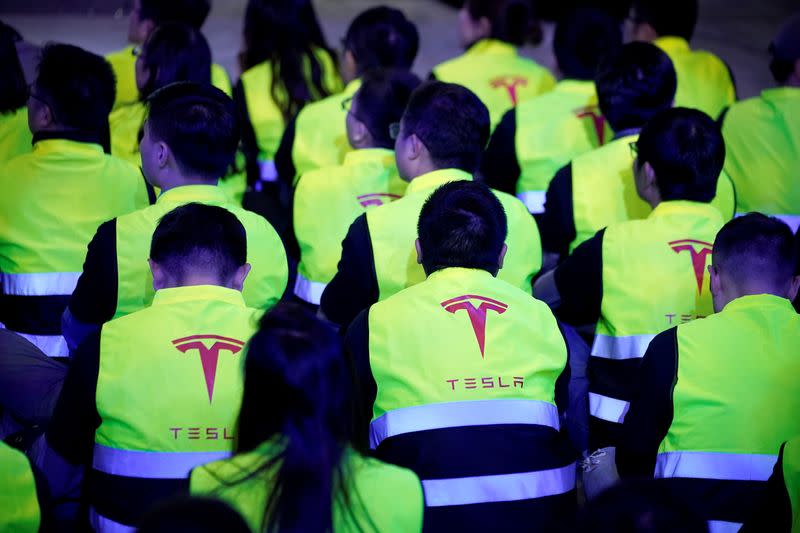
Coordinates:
[331,296]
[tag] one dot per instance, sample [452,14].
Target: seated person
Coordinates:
[15,136]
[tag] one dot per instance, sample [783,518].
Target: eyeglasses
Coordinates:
[634,146]
[394,130]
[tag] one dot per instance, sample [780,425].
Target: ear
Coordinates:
[416,148]
[146,26]
[715,283]
[793,288]
[359,132]
[163,154]
[418,246]
[239,276]
[649,176]
[159,276]
[483,28]
[502,257]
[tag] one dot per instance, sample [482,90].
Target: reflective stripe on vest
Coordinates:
[101,524]
[607,408]
[267,171]
[620,348]
[39,284]
[307,290]
[499,488]
[460,414]
[793,221]
[150,465]
[720,526]
[715,465]
[533,200]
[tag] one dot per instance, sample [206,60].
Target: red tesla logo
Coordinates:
[598,121]
[367,200]
[477,315]
[698,250]
[510,84]
[209,356]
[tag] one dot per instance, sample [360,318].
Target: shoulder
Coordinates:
[320,178]
[256,74]
[313,110]
[253,222]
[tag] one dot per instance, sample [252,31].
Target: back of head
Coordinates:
[582,39]
[633,84]
[199,515]
[382,37]
[686,150]
[462,224]
[13,89]
[191,12]
[510,20]
[381,101]
[174,52]
[675,18]
[785,51]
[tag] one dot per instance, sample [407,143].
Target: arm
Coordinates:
[366,390]
[283,157]
[249,141]
[557,224]
[499,166]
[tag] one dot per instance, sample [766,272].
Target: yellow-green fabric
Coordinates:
[704,81]
[15,136]
[393,230]
[382,497]
[497,74]
[19,504]
[264,285]
[791,478]
[125,123]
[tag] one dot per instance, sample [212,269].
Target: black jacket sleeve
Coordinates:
[499,166]
[773,511]
[366,389]
[283,157]
[557,223]
[579,280]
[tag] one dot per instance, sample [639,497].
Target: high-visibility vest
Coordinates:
[53,200]
[735,401]
[465,359]
[654,277]
[327,200]
[393,230]
[382,497]
[762,138]
[704,81]
[604,191]
[497,74]
[791,478]
[125,123]
[552,129]
[15,136]
[19,503]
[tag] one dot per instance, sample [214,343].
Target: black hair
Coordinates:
[462,224]
[199,237]
[511,20]
[582,39]
[676,18]
[175,52]
[13,88]
[78,86]
[633,84]
[191,12]
[381,100]
[382,37]
[199,124]
[192,513]
[451,122]
[687,152]
[781,68]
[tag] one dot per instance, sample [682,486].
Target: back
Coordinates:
[126,123]
[19,503]
[15,136]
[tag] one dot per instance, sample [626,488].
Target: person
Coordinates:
[296,468]
[56,195]
[15,136]
[462,375]
[327,200]
[440,139]
[704,81]
[19,493]
[779,510]
[199,515]
[763,140]
[636,278]
[540,135]
[491,31]
[718,396]
[190,137]
[178,362]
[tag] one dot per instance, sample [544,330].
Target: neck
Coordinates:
[192,280]
[182,181]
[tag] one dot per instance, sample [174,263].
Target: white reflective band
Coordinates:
[607,408]
[621,348]
[40,284]
[533,200]
[50,345]
[267,170]
[499,488]
[307,290]
[715,465]
[101,524]
[459,414]
[718,526]
[793,221]
[151,465]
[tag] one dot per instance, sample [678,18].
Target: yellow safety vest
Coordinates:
[327,201]
[15,136]
[791,478]
[19,504]
[499,76]
[125,123]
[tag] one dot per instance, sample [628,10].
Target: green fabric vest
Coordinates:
[125,123]
[15,136]
[19,504]
[791,477]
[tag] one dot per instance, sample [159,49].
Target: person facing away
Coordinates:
[704,81]
[296,467]
[15,136]
[441,138]
[540,135]
[763,136]
[55,196]
[717,397]
[491,31]
[462,375]
[190,137]
[155,393]
[779,509]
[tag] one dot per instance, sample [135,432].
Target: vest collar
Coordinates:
[198,292]
[60,142]
[352,88]
[759,301]
[368,155]
[492,46]
[461,273]
[780,93]
[685,207]
[672,44]
[434,179]
[194,193]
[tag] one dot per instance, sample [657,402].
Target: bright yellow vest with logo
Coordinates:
[704,81]
[19,503]
[382,497]
[125,123]
[15,136]
[497,74]
[393,231]
[264,285]
[327,200]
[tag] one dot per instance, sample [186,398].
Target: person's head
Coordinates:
[444,126]
[380,37]
[679,156]
[13,89]
[193,513]
[634,84]
[582,39]
[462,224]
[785,53]
[378,103]
[190,135]
[651,19]
[173,52]
[198,244]
[147,15]
[74,90]
[753,254]
[509,21]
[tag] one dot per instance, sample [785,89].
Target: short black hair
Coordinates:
[676,18]
[633,84]
[191,12]
[78,86]
[451,122]
[175,52]
[382,37]
[511,20]
[13,88]
[199,124]
[462,224]
[686,150]
[199,237]
[582,39]
[381,100]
